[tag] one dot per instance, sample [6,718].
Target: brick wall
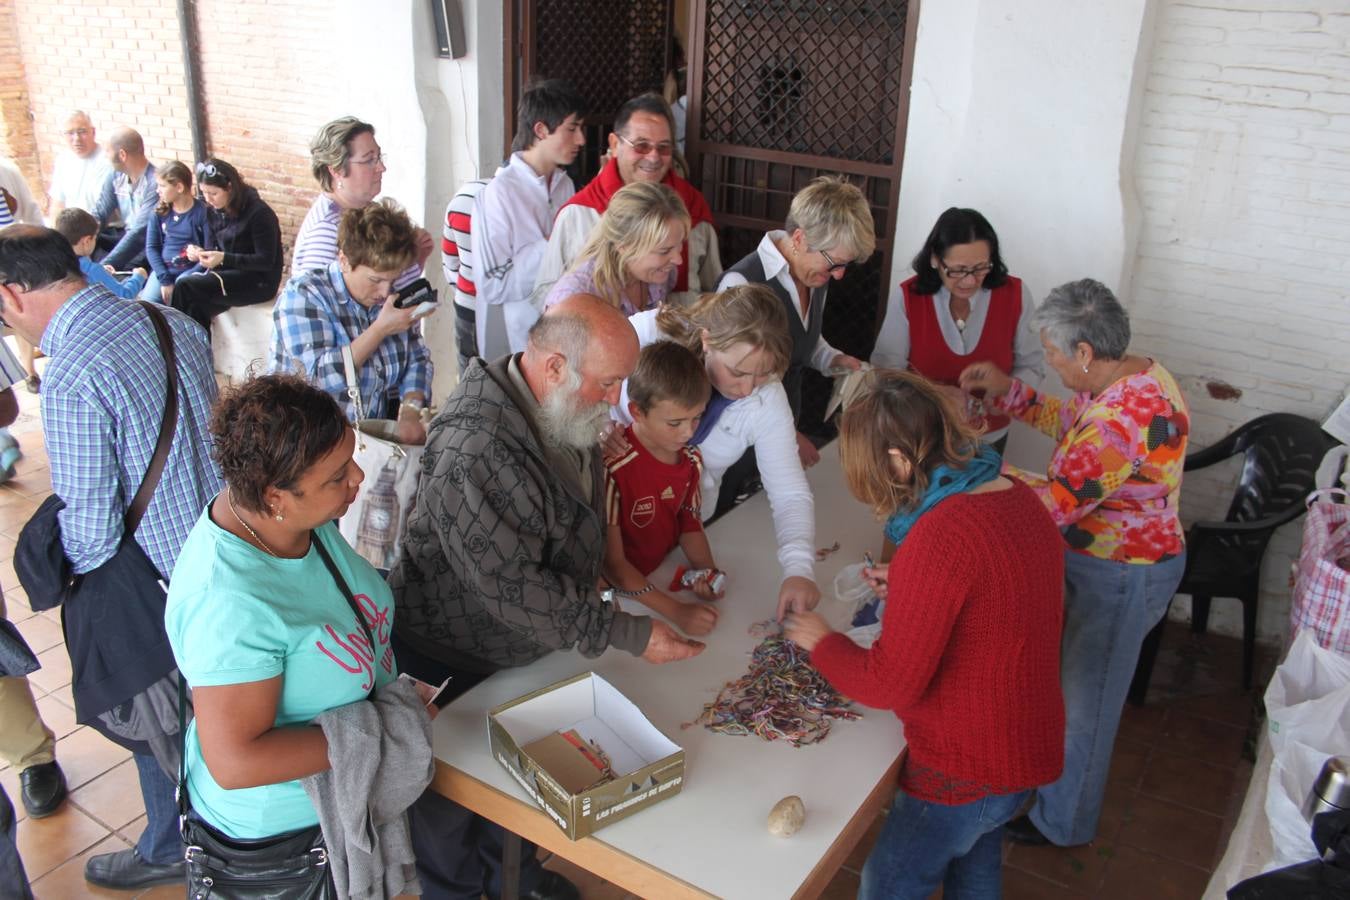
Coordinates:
[121,62]
[16,128]
[266,94]
[1242,282]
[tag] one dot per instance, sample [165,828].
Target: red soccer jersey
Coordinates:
[652,502]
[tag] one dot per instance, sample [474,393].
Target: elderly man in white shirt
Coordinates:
[79,175]
[515,213]
[641,148]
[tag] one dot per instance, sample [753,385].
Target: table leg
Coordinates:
[511,867]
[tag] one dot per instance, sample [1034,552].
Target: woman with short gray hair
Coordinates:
[1113,488]
[349,166]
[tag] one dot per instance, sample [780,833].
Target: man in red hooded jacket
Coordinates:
[641,148]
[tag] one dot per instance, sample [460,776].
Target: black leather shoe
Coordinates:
[1023,831]
[552,886]
[42,788]
[126,871]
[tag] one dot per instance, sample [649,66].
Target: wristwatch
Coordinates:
[611,594]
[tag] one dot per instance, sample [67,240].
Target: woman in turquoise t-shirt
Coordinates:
[259,625]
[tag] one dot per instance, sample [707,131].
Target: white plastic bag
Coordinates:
[851,590]
[1308,715]
[374,523]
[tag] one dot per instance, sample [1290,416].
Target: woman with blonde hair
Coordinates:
[741,334]
[828,228]
[633,255]
[968,655]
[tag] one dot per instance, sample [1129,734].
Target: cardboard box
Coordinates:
[648,766]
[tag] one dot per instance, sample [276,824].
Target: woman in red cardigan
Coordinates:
[968,656]
[961,306]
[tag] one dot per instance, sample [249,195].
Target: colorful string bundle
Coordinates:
[781,698]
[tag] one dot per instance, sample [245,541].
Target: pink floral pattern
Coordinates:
[1114,481]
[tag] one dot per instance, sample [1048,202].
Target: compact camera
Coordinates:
[420,295]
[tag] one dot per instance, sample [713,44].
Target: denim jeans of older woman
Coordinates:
[1109,608]
[924,845]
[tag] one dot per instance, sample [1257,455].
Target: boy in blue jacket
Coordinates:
[81,229]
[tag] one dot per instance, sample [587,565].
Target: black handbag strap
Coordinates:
[167,424]
[346,593]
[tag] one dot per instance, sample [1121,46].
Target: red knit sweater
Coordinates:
[968,656]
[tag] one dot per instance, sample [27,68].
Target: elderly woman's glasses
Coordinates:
[374,160]
[956,273]
[643,147]
[834,266]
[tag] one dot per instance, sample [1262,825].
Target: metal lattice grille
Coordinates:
[803,76]
[610,49]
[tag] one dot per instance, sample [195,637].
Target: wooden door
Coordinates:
[781,91]
[611,51]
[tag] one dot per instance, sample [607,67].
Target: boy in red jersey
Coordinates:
[652,492]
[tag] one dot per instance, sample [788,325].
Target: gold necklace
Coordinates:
[229,499]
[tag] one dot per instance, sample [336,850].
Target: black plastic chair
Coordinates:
[1223,559]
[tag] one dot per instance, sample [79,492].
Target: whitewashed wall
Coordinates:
[1025,110]
[1242,278]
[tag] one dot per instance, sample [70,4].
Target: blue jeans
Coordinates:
[923,845]
[1109,608]
[160,842]
[151,290]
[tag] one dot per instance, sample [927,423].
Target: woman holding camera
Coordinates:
[352,303]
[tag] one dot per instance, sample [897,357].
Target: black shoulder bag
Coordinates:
[112,616]
[291,866]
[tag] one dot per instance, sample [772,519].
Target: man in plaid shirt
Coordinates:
[102,404]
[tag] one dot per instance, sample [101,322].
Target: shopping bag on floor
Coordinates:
[1321,597]
[374,523]
[1308,714]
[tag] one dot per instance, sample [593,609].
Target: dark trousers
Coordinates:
[13,880]
[203,295]
[466,336]
[459,853]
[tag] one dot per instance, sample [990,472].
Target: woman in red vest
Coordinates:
[961,307]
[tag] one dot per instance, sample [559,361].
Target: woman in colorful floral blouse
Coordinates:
[1113,487]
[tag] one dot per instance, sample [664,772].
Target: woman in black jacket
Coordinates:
[241,262]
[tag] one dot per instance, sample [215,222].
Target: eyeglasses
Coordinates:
[370,160]
[77,132]
[643,147]
[958,272]
[834,266]
[209,170]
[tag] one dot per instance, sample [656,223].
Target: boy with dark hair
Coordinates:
[515,213]
[652,495]
[81,229]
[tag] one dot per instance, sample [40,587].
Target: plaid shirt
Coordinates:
[102,404]
[316,317]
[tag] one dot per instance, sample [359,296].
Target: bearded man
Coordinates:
[502,553]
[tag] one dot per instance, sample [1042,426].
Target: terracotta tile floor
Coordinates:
[1177,777]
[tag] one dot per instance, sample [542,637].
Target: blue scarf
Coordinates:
[943,483]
